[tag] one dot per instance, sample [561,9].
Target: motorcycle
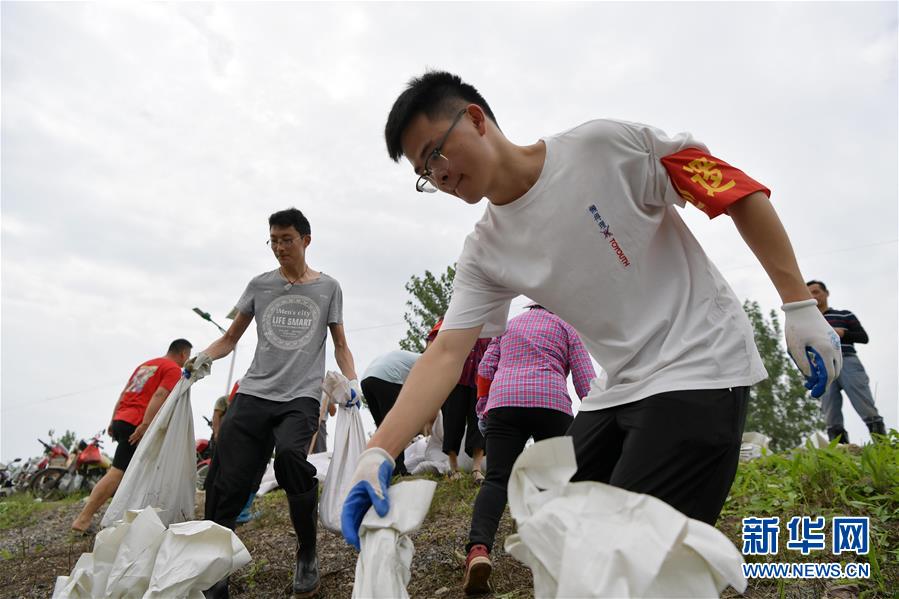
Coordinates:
[85,467]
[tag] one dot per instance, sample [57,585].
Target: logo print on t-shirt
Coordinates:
[290,321]
[140,378]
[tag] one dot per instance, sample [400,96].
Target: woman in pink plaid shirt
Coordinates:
[525,371]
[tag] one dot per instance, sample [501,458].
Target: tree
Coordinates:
[780,406]
[430,299]
[68,438]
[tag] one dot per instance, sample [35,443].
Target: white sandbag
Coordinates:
[818,439]
[753,446]
[426,456]
[134,561]
[192,557]
[179,562]
[321,461]
[106,547]
[163,471]
[79,584]
[349,443]
[384,564]
[647,548]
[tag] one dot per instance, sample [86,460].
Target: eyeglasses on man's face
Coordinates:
[436,164]
[286,242]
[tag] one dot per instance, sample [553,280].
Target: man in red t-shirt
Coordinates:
[147,389]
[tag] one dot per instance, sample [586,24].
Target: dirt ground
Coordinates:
[35,552]
[33,555]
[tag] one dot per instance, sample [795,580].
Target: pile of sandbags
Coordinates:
[140,557]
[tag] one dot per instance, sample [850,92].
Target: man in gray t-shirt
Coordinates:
[279,396]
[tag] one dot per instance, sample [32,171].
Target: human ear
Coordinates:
[478,118]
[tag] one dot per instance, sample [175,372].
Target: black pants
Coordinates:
[681,447]
[250,427]
[381,395]
[508,429]
[459,413]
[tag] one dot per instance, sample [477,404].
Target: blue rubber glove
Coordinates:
[356,397]
[812,344]
[368,488]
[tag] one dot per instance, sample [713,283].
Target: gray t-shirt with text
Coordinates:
[292,326]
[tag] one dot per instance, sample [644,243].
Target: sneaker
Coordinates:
[477,571]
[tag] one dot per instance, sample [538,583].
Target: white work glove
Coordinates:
[356,397]
[367,488]
[197,367]
[813,345]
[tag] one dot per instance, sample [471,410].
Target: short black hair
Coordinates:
[436,94]
[179,345]
[290,218]
[818,283]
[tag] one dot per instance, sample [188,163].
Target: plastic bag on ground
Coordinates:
[192,557]
[79,584]
[426,456]
[163,471]
[349,443]
[648,548]
[321,461]
[818,439]
[131,559]
[384,564]
[136,556]
[753,446]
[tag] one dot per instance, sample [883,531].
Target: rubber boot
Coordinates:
[304,515]
[833,433]
[877,427]
[246,515]
[217,591]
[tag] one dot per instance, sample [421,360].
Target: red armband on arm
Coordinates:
[708,183]
[483,386]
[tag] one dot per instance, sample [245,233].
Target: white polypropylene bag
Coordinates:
[588,539]
[132,559]
[136,556]
[426,456]
[163,471]
[753,446]
[194,556]
[385,560]
[349,443]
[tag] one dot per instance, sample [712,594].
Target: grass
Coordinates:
[830,481]
[21,509]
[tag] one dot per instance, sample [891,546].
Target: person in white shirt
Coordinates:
[381,385]
[586,223]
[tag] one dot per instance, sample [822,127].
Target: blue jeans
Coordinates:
[854,381]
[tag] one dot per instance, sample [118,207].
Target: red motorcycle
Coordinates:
[54,456]
[85,467]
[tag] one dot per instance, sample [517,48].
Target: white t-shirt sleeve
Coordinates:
[659,144]
[477,300]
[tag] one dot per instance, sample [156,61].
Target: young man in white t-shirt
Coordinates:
[584,222]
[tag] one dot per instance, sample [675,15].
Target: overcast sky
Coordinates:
[145,144]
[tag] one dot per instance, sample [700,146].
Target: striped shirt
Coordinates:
[529,364]
[844,319]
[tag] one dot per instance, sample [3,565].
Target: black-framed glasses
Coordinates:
[436,162]
[286,242]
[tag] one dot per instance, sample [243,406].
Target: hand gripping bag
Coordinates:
[384,564]
[163,471]
[349,443]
